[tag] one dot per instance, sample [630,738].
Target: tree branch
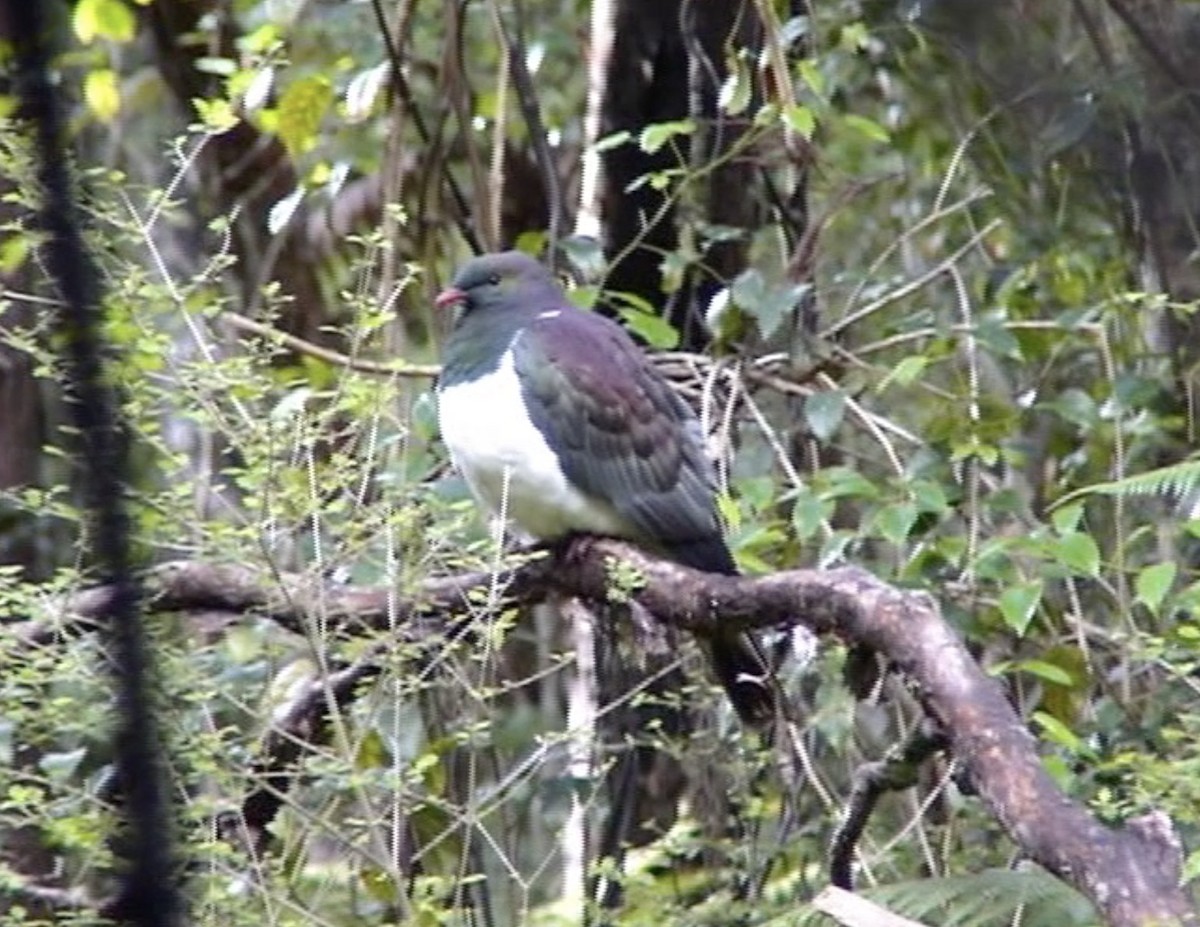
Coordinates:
[1130,873]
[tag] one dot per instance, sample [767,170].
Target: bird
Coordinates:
[558,422]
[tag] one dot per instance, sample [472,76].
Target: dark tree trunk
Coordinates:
[667,63]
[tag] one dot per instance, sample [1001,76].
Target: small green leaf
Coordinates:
[1153,583]
[854,37]
[809,514]
[1191,868]
[654,136]
[730,514]
[1019,603]
[587,254]
[894,522]
[1079,552]
[372,752]
[1055,731]
[846,482]
[585,297]
[105,19]
[800,119]
[615,140]
[734,95]
[823,411]
[768,304]
[13,251]
[867,127]
[904,372]
[651,328]
[1066,519]
[302,107]
[101,94]
[1047,671]
[812,76]
[929,496]
[216,115]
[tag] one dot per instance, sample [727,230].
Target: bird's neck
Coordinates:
[478,343]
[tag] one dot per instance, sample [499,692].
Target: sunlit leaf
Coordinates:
[1018,604]
[654,136]
[101,93]
[103,19]
[1153,583]
[216,115]
[302,108]
[735,92]
[800,119]
[1079,552]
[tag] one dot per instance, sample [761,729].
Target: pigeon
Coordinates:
[559,423]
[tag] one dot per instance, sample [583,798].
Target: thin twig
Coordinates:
[912,286]
[300,346]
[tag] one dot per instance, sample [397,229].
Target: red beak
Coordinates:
[451,296]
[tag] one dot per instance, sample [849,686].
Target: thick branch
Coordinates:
[1131,874]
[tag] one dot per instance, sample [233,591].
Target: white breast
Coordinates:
[508,464]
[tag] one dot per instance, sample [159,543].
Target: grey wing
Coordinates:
[622,433]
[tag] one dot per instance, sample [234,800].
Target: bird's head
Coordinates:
[494,281]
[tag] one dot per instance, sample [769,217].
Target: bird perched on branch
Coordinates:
[559,423]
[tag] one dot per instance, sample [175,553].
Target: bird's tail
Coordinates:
[741,668]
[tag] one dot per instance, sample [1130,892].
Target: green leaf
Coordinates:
[894,522]
[101,94]
[904,372]
[615,140]
[216,115]
[728,509]
[812,76]
[372,752]
[823,412]
[654,136]
[929,496]
[651,328]
[1153,583]
[734,95]
[768,304]
[587,254]
[302,107]
[1067,518]
[1018,604]
[1055,731]
[105,19]
[1047,671]
[809,514]
[13,252]
[867,127]
[800,119]
[1079,552]
[847,482]
[853,37]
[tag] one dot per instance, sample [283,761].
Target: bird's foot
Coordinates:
[573,549]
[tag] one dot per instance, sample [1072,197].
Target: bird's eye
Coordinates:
[494,279]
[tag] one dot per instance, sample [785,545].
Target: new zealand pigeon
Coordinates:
[558,422]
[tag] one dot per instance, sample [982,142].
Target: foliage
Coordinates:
[980,411]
